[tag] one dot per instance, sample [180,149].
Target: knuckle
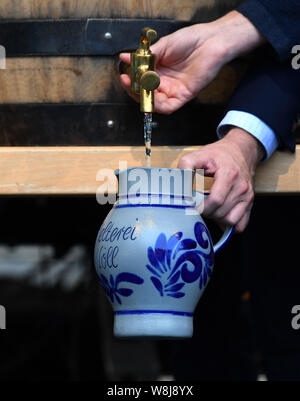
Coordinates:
[246,191]
[250,195]
[233,173]
[218,214]
[216,200]
[184,162]
[244,187]
[231,221]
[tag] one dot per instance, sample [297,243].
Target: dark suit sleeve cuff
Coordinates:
[264,20]
[270,91]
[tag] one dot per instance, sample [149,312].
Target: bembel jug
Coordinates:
[154,255]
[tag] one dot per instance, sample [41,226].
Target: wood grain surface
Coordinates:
[60,79]
[173,9]
[88,79]
[95,79]
[74,170]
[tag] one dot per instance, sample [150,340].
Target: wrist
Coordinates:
[252,150]
[235,35]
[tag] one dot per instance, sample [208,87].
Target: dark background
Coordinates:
[61,328]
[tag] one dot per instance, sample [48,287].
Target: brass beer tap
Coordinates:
[144,80]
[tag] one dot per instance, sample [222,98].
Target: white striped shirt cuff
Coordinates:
[252,124]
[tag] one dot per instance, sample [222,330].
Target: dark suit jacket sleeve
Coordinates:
[277,20]
[271,92]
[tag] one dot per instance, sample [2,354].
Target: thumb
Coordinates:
[159,48]
[125,57]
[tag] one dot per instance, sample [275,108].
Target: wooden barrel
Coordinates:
[61,85]
[63,113]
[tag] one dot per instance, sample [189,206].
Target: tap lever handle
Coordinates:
[150,80]
[148,35]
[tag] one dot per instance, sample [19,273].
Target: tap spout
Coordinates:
[144,80]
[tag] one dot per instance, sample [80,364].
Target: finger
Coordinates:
[238,216]
[220,190]
[164,104]
[159,47]
[238,193]
[125,83]
[242,224]
[194,160]
[125,57]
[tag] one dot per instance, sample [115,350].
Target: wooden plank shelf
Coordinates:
[187,10]
[73,170]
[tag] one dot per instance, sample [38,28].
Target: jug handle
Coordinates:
[228,232]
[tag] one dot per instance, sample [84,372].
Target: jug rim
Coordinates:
[117,171]
[152,181]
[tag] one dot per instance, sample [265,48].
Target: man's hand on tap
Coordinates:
[232,162]
[190,58]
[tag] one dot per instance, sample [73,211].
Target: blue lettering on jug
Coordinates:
[110,233]
[107,256]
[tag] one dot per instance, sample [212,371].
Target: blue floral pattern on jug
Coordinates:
[170,260]
[111,286]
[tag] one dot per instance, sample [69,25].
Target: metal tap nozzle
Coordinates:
[144,80]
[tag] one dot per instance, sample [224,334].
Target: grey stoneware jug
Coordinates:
[153,254]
